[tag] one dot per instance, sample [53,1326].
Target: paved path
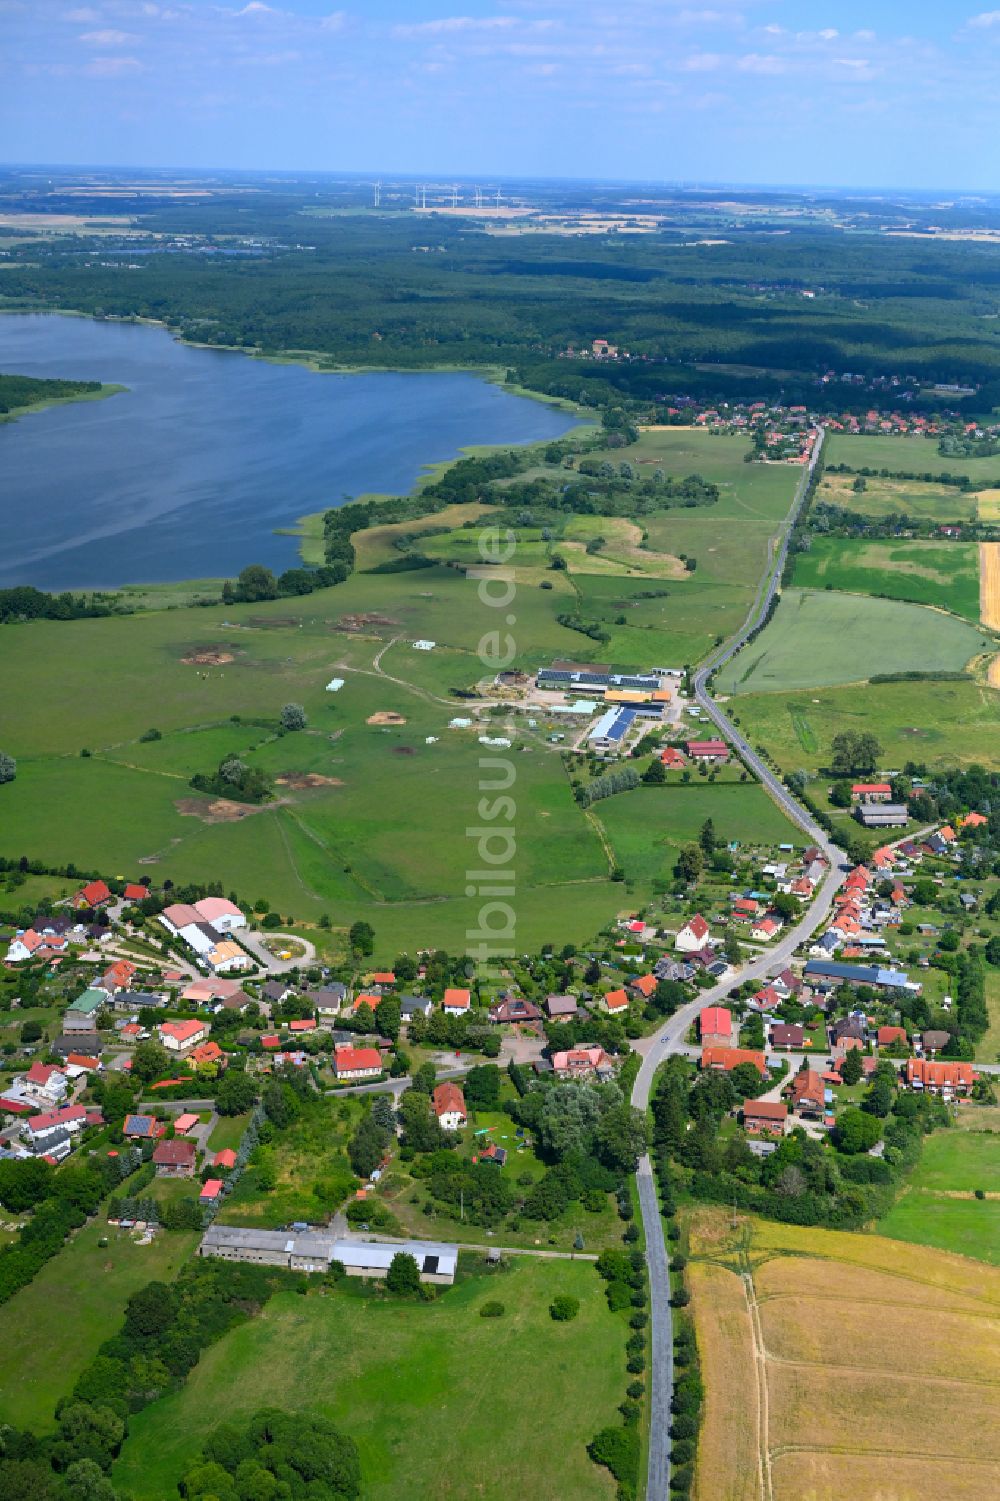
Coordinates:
[254,942]
[473,1245]
[671,1036]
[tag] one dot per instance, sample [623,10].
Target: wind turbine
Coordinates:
[454,195]
[378,192]
[498,200]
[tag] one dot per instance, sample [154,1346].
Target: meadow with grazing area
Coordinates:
[938,1206]
[52,1328]
[433,1394]
[943,574]
[938,723]
[829,1356]
[818,638]
[909,455]
[917,499]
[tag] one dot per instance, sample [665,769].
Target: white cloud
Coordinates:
[449,25]
[113,67]
[83,16]
[702,62]
[755,62]
[256,8]
[108,38]
[829,34]
[335,21]
[986,18]
[708,18]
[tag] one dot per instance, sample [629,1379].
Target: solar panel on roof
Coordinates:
[430,1264]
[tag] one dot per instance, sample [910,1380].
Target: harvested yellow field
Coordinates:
[812,1477]
[729,1448]
[988,505]
[840,1365]
[989,585]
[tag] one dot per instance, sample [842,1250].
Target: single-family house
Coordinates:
[448,1102]
[118,976]
[357,1063]
[582,1063]
[207,1053]
[726,1059]
[40,1131]
[223,915]
[514,1009]
[135,892]
[673,759]
[414,1005]
[806,1091]
[175,1159]
[616,1002]
[143,1128]
[210,988]
[715,1027]
[765,1118]
[225,1160]
[888,1037]
[694,936]
[933,1040]
[44,1085]
[764,929]
[456,1002]
[642,988]
[180,1037]
[561,1007]
[94,894]
[786,984]
[329,1000]
[788,1035]
[766,999]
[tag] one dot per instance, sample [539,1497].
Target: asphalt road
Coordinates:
[670,1037]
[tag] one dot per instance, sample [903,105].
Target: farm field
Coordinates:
[816,639]
[943,574]
[382,1370]
[892,497]
[54,1327]
[909,454]
[940,724]
[785,1418]
[989,584]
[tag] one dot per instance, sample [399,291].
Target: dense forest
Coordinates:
[393,289]
[18,391]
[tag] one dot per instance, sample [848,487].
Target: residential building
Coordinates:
[180,1037]
[694,936]
[561,1007]
[448,1102]
[413,1005]
[94,894]
[514,1009]
[715,751]
[764,929]
[765,1118]
[329,1000]
[582,1063]
[357,1063]
[939,1076]
[41,1131]
[715,1027]
[888,1037]
[807,1092]
[726,1059]
[175,1159]
[642,988]
[616,1002]
[871,792]
[787,1035]
[456,1002]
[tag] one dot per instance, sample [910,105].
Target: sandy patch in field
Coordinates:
[208,656]
[360,622]
[989,586]
[385,716]
[217,810]
[301,781]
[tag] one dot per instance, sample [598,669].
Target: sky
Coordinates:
[865,93]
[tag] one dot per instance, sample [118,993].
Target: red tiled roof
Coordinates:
[458,1000]
[208,1052]
[715,1021]
[939,1073]
[354,1060]
[226,1158]
[644,984]
[448,1097]
[765,1110]
[888,1035]
[182,1031]
[211,1188]
[616,1000]
[728,1058]
[176,1153]
[136,893]
[62,1117]
[696,926]
[95,892]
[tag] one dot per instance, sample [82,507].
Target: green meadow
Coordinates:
[54,1327]
[938,1206]
[818,638]
[911,455]
[943,574]
[940,724]
[922,500]
[433,1394]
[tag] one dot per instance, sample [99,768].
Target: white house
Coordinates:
[43,1085]
[456,1002]
[693,936]
[180,1037]
[223,915]
[449,1106]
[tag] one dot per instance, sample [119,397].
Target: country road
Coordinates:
[670,1037]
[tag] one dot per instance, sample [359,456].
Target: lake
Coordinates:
[188,472]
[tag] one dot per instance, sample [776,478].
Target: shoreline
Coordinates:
[306,531]
[43,404]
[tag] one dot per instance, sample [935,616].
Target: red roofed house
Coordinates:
[693,936]
[210,1190]
[673,759]
[81,1063]
[788,1035]
[383,977]
[369,998]
[807,1092]
[174,1159]
[307,1024]
[887,1036]
[708,750]
[871,792]
[726,1059]
[39,1129]
[357,1063]
[973,821]
[580,1063]
[939,1076]
[179,1037]
[44,1084]
[616,1002]
[449,1106]
[766,999]
[745,909]
[764,930]
[225,1159]
[134,892]
[715,1027]
[208,1052]
[456,1002]
[947,834]
[94,894]
[767,1118]
[118,976]
[271,1041]
[643,985]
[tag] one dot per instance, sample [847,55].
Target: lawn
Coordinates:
[53,1328]
[228,1132]
[968,1226]
[944,574]
[958,1160]
[937,1207]
[433,1395]
[941,724]
[912,1350]
[819,638]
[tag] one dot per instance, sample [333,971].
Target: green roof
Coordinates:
[89,1002]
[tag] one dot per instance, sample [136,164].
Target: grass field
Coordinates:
[906,454]
[434,1395]
[944,574]
[831,1360]
[53,1328]
[941,724]
[938,1207]
[988,1049]
[817,639]
[889,497]
[314,1175]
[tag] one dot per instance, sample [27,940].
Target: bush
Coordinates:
[564,1308]
[494,1309]
[635,1365]
[618,1450]
[618,1295]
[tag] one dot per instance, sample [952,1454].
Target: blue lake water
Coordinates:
[188,472]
